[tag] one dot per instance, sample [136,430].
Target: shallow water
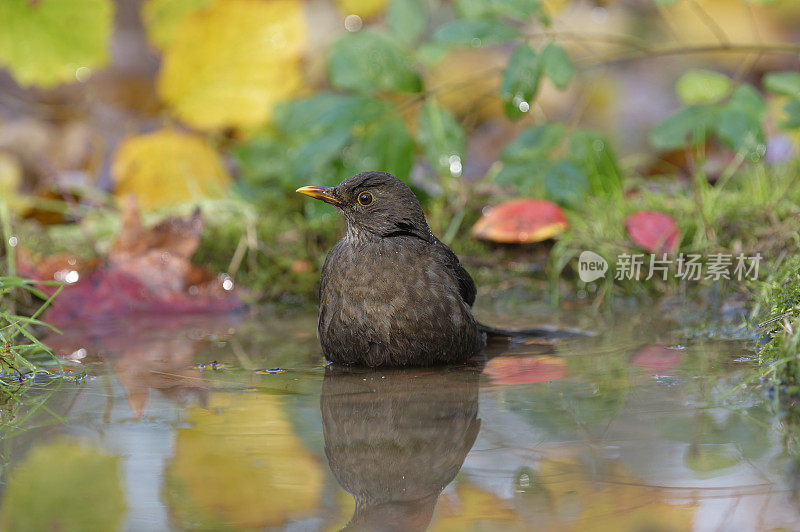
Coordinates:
[235,423]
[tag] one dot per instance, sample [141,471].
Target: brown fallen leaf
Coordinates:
[160,257]
[148,272]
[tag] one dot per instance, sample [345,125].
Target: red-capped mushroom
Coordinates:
[521,221]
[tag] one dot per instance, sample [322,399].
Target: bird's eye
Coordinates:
[365,198]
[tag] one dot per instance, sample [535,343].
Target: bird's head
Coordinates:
[375,204]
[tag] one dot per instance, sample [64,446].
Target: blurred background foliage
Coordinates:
[690,107]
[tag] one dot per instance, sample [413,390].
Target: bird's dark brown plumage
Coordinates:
[392,294]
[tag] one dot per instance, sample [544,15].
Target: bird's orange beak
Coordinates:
[321,193]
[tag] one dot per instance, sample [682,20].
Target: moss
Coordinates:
[778,320]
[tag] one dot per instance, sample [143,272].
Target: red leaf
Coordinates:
[110,293]
[657,359]
[521,221]
[525,369]
[654,231]
[148,272]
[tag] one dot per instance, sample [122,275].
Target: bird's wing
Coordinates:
[466,286]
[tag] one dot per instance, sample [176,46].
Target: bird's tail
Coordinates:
[539,332]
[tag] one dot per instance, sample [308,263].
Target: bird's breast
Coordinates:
[392,295]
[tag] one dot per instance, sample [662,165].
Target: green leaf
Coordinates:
[44,43]
[520,81]
[664,3]
[386,146]
[702,86]
[475,33]
[533,143]
[442,139]
[749,99]
[557,65]
[313,138]
[592,153]
[708,458]
[526,177]
[262,160]
[741,131]
[311,158]
[566,184]
[430,53]
[367,61]
[688,126]
[407,19]
[784,83]
[516,9]
[792,110]
[739,122]
[323,111]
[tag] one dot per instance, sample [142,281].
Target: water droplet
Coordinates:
[475,42]
[83,73]
[72,276]
[353,23]
[524,106]
[13,241]
[78,354]
[455,165]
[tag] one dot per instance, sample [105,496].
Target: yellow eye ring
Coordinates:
[365,198]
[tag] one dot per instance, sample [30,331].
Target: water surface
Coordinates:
[236,424]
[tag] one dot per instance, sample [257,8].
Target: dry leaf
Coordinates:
[148,272]
[229,64]
[167,168]
[162,18]
[362,8]
[240,462]
[44,43]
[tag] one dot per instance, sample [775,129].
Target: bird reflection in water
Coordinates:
[396,438]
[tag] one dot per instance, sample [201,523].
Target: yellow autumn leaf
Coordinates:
[474,505]
[553,7]
[715,21]
[63,486]
[229,64]
[241,464]
[462,92]
[162,18]
[44,43]
[622,506]
[10,182]
[167,168]
[362,8]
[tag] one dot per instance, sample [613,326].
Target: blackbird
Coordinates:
[391,293]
